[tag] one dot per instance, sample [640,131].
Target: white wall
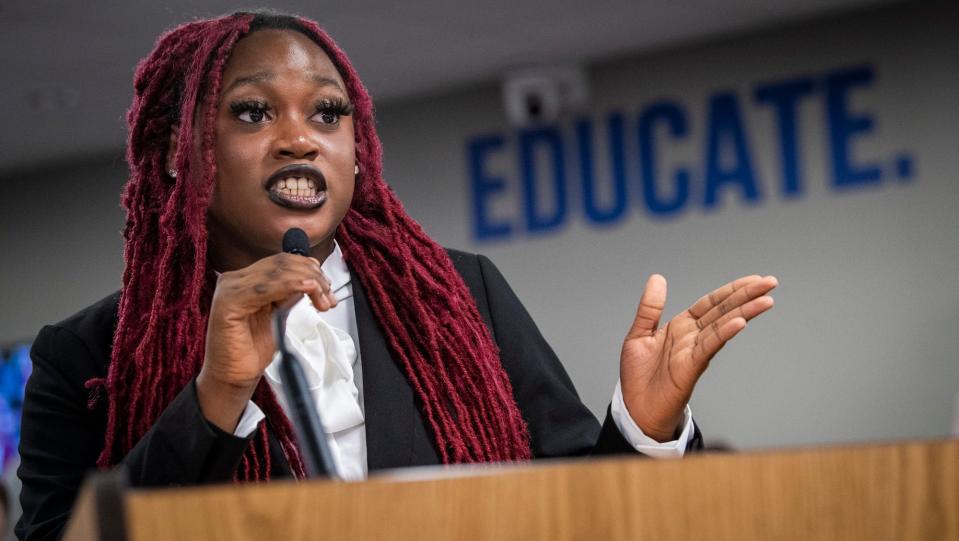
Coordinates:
[861,343]
[60,233]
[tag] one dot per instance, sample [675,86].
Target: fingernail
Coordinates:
[309,282]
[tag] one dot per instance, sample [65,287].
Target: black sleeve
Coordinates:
[183,448]
[559,423]
[61,437]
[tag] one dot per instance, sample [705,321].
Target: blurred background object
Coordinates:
[15,368]
[543,95]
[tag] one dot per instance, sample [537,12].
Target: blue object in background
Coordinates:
[14,372]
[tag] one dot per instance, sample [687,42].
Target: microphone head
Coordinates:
[295,241]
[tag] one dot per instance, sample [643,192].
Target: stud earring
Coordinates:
[172,173]
[356,169]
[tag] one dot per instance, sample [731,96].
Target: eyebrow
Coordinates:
[266,76]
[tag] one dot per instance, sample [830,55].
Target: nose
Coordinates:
[295,142]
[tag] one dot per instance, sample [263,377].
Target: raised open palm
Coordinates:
[659,366]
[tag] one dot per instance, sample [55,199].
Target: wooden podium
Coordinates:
[896,492]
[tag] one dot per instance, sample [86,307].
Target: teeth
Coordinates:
[297,192]
[296,187]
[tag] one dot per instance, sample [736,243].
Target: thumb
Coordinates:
[650,310]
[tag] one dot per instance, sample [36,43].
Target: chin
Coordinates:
[315,230]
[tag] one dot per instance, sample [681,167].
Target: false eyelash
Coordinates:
[337,106]
[239,107]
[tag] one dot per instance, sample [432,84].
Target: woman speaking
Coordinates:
[241,128]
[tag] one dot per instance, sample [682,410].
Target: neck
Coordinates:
[322,250]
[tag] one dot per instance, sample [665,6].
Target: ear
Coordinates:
[171,148]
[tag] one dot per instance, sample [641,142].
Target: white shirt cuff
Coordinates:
[643,443]
[252,415]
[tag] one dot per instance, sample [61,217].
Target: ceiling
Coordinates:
[67,66]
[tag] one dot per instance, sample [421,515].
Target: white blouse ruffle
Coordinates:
[328,355]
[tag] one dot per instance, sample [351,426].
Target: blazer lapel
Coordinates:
[388,402]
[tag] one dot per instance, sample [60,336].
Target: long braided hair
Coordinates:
[430,320]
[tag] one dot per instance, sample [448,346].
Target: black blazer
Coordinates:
[61,437]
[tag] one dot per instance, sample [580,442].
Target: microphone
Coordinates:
[317,458]
[296,242]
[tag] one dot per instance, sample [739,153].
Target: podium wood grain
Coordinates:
[895,492]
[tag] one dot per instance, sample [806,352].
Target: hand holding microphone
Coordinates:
[239,340]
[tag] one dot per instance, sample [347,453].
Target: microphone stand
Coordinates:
[317,457]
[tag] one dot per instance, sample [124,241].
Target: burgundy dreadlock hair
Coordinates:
[422,304]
